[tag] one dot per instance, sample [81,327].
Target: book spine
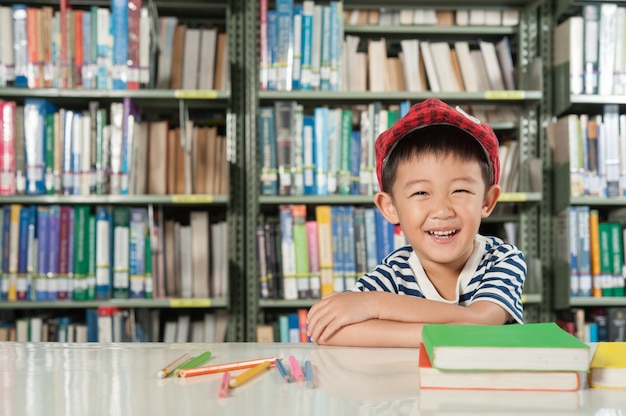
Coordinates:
[264,292]
[103,256]
[312,235]
[297,150]
[272,251]
[20,45]
[7,148]
[336,42]
[325,236]
[594,252]
[288,253]
[263,46]
[337,229]
[43,247]
[81,252]
[321,150]
[103,49]
[119,30]
[7,67]
[272,48]
[137,260]
[349,248]
[334,149]
[35,116]
[591,26]
[365,177]
[148,280]
[617,254]
[298,212]
[308,155]
[316,47]
[134,16]
[355,162]
[77,47]
[49,154]
[145,21]
[22,253]
[54,227]
[63,277]
[296,67]
[284,46]
[6,252]
[360,238]
[14,241]
[345,155]
[284,114]
[121,237]
[267,153]
[76,153]
[326,47]
[572,228]
[91,258]
[306,38]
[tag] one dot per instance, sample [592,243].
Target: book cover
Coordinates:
[312,236]
[81,252]
[119,32]
[433,378]
[298,212]
[534,346]
[54,227]
[7,148]
[40,283]
[608,366]
[267,151]
[137,251]
[121,241]
[288,251]
[337,229]
[63,277]
[325,240]
[308,155]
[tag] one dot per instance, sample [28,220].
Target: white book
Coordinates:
[468,69]
[429,65]
[510,17]
[7,67]
[493,17]
[221,325]
[36,325]
[410,58]
[377,57]
[568,38]
[184,255]
[619,74]
[490,58]
[197,331]
[145,20]
[503,50]
[200,248]
[477,17]
[608,46]
[191,58]
[481,70]
[166,41]
[206,65]
[444,67]
[182,328]
[85,154]
[316,47]
[209,327]
[462,17]
[169,332]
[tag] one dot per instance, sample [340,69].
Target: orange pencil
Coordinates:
[220,368]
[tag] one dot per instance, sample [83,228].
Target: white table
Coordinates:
[121,379]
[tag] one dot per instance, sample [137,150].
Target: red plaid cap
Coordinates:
[432,112]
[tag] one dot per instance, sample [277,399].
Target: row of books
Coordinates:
[300,45]
[593,46]
[330,150]
[107,48]
[602,324]
[61,252]
[594,146]
[430,16]
[113,324]
[46,150]
[594,250]
[307,255]
[288,327]
[422,65]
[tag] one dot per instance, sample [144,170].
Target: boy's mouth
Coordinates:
[443,234]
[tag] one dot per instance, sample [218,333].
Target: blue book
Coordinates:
[294,329]
[283,328]
[405,106]
[103,250]
[355,162]
[321,150]
[35,114]
[370,240]
[584,252]
[336,42]
[119,30]
[272,48]
[384,236]
[22,258]
[267,151]
[572,229]
[337,231]
[6,244]
[54,226]
[91,318]
[137,261]
[67,173]
[307,44]
[308,155]
[349,247]
[127,144]
[43,246]
[71,254]
[103,49]
[91,259]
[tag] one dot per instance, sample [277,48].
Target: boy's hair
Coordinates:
[440,141]
[434,112]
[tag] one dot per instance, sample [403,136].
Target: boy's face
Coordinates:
[439,202]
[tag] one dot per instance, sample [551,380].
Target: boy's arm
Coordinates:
[328,317]
[377,333]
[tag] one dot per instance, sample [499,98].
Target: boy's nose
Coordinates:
[441,208]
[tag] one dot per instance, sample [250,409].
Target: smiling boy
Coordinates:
[438,171]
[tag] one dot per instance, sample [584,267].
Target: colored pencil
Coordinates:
[295,369]
[283,371]
[308,374]
[194,362]
[171,367]
[225,385]
[249,374]
[220,368]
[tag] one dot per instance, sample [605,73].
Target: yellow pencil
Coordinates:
[247,375]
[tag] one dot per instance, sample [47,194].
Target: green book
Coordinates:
[529,347]
[81,251]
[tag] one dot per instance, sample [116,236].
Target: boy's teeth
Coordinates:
[442,233]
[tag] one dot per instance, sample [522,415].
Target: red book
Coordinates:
[7,147]
[65,234]
[302,325]
[78,48]
[134,15]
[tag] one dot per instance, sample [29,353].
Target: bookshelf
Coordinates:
[600,303]
[529,210]
[220,107]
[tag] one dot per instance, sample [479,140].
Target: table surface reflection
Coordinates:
[121,379]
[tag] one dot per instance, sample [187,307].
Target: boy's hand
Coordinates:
[338,310]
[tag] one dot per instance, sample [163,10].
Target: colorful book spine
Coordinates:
[20,45]
[272,49]
[345,155]
[326,48]
[91,259]
[63,277]
[128,128]
[617,255]
[296,66]
[14,251]
[264,292]
[606,262]
[148,280]
[284,47]
[298,212]
[594,252]
[6,251]
[283,116]
[104,50]
[272,250]
[121,242]
[336,42]
[349,248]
[49,153]
[22,263]
[572,228]
[384,236]
[355,165]
[134,12]
[360,238]
[35,120]
[263,46]
[584,252]
[325,238]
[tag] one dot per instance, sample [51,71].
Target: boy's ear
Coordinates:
[491,198]
[384,203]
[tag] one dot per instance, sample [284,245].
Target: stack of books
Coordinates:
[608,366]
[539,357]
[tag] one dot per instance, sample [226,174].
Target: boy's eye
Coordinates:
[462,191]
[420,193]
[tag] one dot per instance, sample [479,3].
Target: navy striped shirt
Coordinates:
[495,272]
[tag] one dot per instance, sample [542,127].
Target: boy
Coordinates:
[438,171]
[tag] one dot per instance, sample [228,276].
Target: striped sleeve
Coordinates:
[500,279]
